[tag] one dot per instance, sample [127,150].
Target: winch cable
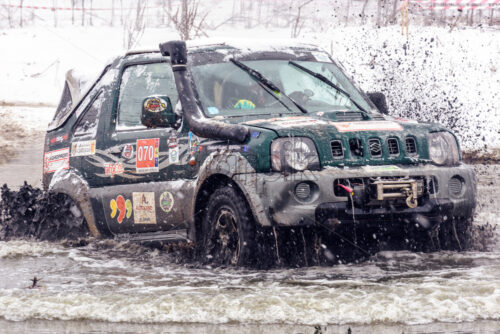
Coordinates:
[353,215]
[456,234]
[276,244]
[343,238]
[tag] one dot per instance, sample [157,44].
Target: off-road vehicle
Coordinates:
[216,143]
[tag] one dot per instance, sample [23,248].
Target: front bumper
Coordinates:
[274,202]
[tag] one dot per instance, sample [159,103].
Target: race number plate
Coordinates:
[147,155]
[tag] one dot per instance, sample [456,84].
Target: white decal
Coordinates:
[367,126]
[82,148]
[383,168]
[173,155]
[55,160]
[144,208]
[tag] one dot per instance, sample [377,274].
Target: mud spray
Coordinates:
[33,214]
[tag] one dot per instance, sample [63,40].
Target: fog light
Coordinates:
[455,185]
[303,191]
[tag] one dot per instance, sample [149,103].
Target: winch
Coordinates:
[402,188]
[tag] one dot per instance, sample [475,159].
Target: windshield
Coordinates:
[227,90]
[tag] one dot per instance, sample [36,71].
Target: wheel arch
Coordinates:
[69,182]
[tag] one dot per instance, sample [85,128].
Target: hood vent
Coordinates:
[337,149]
[346,116]
[375,147]
[393,146]
[411,146]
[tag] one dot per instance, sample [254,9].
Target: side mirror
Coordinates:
[157,112]
[379,101]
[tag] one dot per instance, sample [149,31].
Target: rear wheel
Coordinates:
[228,230]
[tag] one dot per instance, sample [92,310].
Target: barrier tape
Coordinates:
[455,4]
[67,8]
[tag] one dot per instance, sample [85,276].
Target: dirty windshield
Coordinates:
[227,90]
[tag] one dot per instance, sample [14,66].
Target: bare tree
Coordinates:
[134,28]
[348,8]
[379,12]
[187,19]
[112,19]
[298,22]
[73,12]
[363,15]
[54,5]
[21,13]
[83,12]
[91,13]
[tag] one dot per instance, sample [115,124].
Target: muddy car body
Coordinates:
[213,142]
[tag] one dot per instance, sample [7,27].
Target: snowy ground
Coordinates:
[435,75]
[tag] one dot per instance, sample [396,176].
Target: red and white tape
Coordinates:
[455,4]
[63,8]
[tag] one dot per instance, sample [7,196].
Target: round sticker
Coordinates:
[155,104]
[128,151]
[166,201]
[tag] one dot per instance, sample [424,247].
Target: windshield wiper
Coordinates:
[324,79]
[256,75]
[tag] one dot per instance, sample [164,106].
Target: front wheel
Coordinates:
[228,230]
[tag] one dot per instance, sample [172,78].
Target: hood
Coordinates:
[380,141]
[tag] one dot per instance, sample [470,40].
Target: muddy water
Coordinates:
[108,286]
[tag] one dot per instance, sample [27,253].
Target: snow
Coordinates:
[435,75]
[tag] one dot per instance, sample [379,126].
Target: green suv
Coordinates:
[214,144]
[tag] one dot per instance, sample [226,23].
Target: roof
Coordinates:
[248,45]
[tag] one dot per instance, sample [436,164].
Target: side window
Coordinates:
[87,124]
[138,82]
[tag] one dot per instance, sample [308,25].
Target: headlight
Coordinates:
[443,149]
[294,154]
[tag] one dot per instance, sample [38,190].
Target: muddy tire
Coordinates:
[228,229]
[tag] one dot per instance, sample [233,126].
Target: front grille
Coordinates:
[375,147]
[392,146]
[356,147]
[411,146]
[337,149]
[349,116]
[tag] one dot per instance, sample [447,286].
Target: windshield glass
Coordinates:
[227,90]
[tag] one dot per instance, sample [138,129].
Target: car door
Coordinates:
[138,163]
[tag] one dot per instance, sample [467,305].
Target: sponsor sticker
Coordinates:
[59,139]
[82,148]
[128,151]
[367,126]
[120,208]
[54,160]
[113,168]
[173,150]
[166,201]
[244,105]
[386,168]
[155,104]
[297,122]
[144,208]
[173,155]
[147,156]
